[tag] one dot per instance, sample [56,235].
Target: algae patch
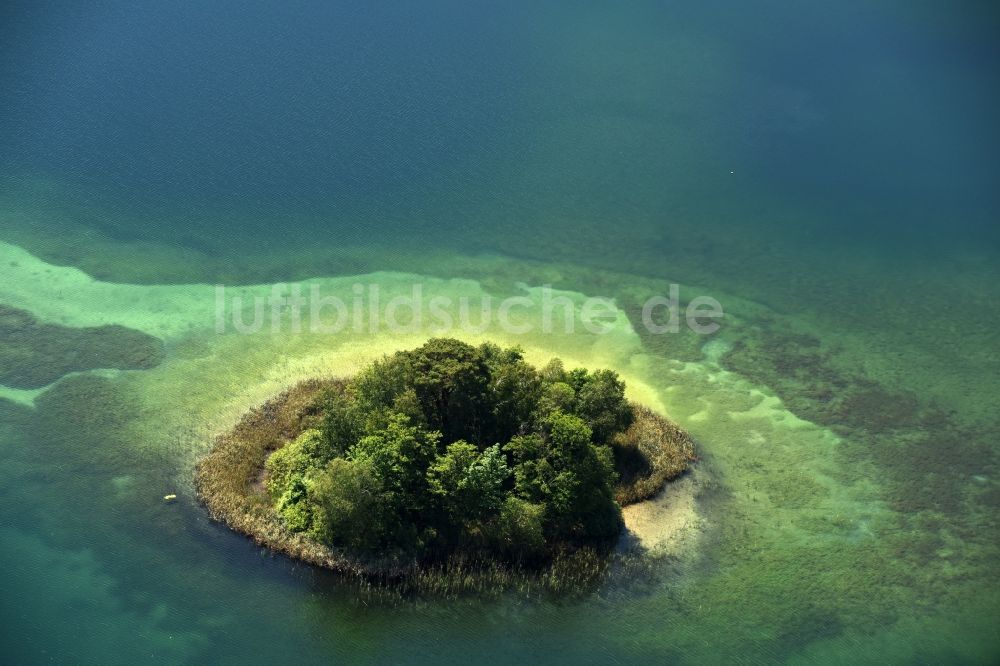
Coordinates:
[35,355]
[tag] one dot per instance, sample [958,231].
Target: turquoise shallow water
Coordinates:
[828,173]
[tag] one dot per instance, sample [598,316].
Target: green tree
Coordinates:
[596,513]
[451,381]
[349,510]
[600,401]
[568,475]
[399,456]
[553,371]
[531,469]
[378,385]
[468,483]
[515,390]
[407,403]
[576,378]
[556,396]
[518,532]
[342,425]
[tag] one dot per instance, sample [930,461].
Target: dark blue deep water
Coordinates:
[450,118]
[832,169]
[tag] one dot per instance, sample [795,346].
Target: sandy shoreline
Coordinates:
[668,523]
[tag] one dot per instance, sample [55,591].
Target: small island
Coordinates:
[463,461]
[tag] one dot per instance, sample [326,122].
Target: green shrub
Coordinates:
[518,532]
[294,508]
[348,500]
[292,462]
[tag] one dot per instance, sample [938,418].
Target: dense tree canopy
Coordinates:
[451,447]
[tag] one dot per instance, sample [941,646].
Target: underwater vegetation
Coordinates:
[35,354]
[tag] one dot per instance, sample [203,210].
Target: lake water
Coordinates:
[829,173]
